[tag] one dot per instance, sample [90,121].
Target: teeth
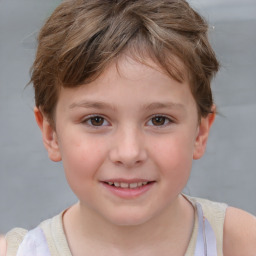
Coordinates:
[133,185]
[127,185]
[124,185]
[117,184]
[140,184]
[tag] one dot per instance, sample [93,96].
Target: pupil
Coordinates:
[158,120]
[97,121]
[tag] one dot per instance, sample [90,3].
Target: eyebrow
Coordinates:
[164,105]
[102,105]
[92,104]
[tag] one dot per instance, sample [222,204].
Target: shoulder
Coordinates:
[2,245]
[239,233]
[214,212]
[208,205]
[14,238]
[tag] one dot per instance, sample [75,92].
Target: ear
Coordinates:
[49,135]
[203,133]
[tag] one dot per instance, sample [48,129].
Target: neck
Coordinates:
[172,227]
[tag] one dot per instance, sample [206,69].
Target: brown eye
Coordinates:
[96,121]
[159,120]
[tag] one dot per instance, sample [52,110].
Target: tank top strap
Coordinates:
[206,240]
[34,244]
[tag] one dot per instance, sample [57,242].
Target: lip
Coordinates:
[128,193]
[127,180]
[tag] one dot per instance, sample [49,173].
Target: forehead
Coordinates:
[129,82]
[167,63]
[138,67]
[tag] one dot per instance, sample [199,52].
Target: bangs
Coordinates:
[92,58]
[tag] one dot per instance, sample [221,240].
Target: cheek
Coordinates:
[81,160]
[174,156]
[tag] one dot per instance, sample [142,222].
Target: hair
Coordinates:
[82,37]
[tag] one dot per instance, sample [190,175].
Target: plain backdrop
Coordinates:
[32,188]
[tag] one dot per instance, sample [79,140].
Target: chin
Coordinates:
[129,219]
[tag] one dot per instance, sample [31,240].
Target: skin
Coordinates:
[2,246]
[239,233]
[130,143]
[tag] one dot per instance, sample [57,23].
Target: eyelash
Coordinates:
[88,121]
[167,121]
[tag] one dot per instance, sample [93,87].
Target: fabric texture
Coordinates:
[58,245]
[34,244]
[215,214]
[14,239]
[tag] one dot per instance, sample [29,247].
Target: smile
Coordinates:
[133,185]
[128,189]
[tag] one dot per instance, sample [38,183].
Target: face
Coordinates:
[127,141]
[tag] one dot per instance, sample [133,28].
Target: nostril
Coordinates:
[127,155]
[118,163]
[129,164]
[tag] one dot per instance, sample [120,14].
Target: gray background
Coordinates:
[32,188]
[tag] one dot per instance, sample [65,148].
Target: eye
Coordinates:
[96,121]
[159,121]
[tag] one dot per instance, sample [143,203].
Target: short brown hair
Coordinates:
[82,37]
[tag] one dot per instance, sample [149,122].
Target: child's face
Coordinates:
[131,125]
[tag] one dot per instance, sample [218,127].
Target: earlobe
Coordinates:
[203,134]
[49,135]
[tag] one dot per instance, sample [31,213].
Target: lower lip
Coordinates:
[129,193]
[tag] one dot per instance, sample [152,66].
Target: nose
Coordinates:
[128,148]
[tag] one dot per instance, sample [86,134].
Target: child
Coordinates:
[123,99]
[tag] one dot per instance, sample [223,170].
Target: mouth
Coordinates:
[128,189]
[128,185]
